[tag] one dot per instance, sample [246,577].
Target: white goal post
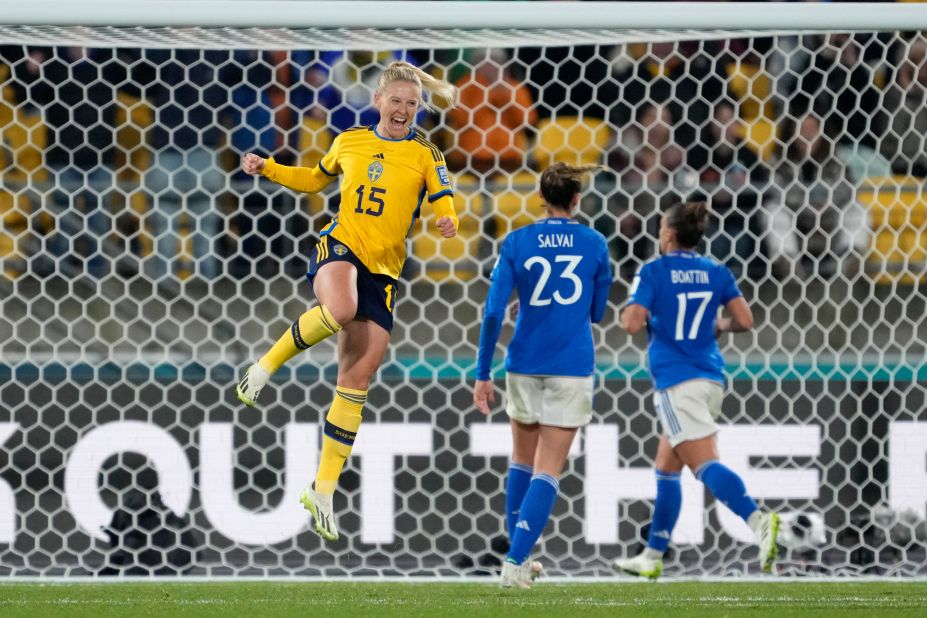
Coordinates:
[452,15]
[139,272]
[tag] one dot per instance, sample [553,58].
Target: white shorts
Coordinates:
[561,401]
[688,411]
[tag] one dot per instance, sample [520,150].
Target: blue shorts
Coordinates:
[376,294]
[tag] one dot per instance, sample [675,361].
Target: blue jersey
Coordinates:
[562,273]
[683,292]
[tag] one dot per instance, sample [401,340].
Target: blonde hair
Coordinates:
[440,94]
[561,182]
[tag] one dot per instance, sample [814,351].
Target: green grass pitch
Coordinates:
[449,600]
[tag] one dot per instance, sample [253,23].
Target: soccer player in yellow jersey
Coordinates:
[389,171]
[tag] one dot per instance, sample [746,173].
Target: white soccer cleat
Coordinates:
[640,565]
[766,534]
[320,507]
[518,575]
[255,378]
[537,569]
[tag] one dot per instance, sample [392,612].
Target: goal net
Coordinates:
[141,271]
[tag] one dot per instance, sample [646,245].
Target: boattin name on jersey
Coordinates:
[689,276]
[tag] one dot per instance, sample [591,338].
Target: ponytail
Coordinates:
[561,182]
[689,220]
[440,94]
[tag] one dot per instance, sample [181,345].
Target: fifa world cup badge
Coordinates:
[374,171]
[443,175]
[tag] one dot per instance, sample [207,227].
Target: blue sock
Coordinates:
[516,486]
[535,511]
[665,510]
[727,486]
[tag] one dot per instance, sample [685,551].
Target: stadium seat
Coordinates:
[314,141]
[573,140]
[24,136]
[515,202]
[133,117]
[751,87]
[760,135]
[897,208]
[457,257]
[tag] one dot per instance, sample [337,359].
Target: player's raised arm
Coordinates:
[303,179]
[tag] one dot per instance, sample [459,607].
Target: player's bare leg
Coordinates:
[335,287]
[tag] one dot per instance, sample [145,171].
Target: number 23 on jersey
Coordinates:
[540,296]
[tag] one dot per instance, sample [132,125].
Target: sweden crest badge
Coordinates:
[374,171]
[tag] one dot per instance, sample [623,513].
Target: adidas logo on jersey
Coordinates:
[379,155]
[523,525]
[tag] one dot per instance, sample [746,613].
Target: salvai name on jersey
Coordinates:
[555,240]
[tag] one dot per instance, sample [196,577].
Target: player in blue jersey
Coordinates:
[562,274]
[677,297]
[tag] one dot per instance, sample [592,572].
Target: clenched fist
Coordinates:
[446,226]
[252,164]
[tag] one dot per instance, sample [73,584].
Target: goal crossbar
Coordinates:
[465,15]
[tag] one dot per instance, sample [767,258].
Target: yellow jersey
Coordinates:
[385,182]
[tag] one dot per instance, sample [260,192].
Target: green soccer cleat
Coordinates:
[320,507]
[766,534]
[641,566]
[255,378]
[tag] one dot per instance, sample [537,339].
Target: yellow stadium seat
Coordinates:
[457,257]
[515,202]
[134,116]
[24,138]
[573,140]
[760,135]
[314,141]
[897,208]
[751,86]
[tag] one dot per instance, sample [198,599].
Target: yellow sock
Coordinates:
[311,328]
[341,424]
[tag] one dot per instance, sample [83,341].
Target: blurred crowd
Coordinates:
[127,159]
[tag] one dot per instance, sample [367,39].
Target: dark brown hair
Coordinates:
[689,220]
[560,182]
